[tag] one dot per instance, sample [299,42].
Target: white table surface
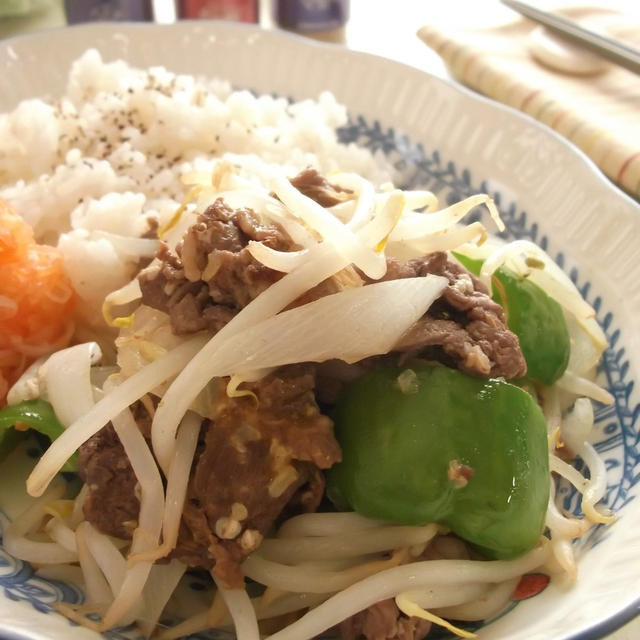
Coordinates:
[386,28]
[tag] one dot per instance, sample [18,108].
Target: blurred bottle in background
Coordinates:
[99,10]
[13,8]
[324,19]
[239,10]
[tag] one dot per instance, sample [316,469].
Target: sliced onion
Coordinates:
[27,386]
[577,425]
[67,380]
[349,325]
[323,262]
[585,352]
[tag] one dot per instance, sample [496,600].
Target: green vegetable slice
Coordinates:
[469,453]
[33,414]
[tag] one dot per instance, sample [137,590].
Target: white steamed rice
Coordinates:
[108,156]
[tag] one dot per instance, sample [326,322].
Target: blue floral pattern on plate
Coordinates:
[617,426]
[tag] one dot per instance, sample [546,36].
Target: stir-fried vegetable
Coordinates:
[31,414]
[536,318]
[431,444]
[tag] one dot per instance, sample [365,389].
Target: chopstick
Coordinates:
[623,55]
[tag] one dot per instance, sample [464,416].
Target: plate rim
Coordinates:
[629,612]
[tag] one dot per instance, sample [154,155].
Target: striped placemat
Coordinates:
[600,112]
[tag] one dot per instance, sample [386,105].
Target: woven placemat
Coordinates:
[599,112]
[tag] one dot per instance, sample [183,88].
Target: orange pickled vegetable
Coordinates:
[36,299]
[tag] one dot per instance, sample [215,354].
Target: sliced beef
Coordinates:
[261,454]
[258,454]
[383,621]
[212,275]
[317,187]
[111,504]
[464,327]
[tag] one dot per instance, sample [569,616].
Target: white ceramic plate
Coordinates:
[444,138]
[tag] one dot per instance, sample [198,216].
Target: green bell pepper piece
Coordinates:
[36,414]
[536,318]
[466,452]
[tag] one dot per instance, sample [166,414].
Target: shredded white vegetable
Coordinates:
[494,598]
[147,533]
[16,539]
[549,277]
[422,226]
[333,564]
[62,534]
[242,612]
[177,480]
[162,582]
[110,406]
[330,228]
[294,550]
[96,586]
[107,557]
[389,583]
[326,524]
[581,386]
[67,381]
[348,325]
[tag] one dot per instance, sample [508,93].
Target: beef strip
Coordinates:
[111,504]
[383,621]
[315,186]
[464,327]
[258,453]
[212,275]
